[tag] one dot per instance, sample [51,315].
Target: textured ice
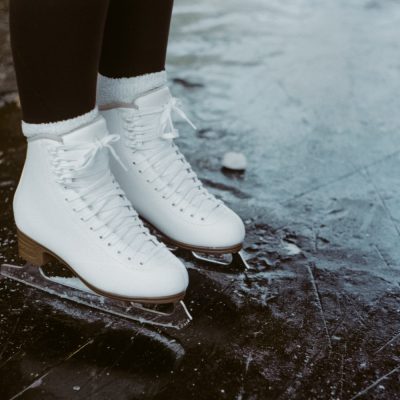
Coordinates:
[308,91]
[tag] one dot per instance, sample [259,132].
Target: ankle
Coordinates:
[126,90]
[59,128]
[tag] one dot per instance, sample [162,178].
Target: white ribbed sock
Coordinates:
[126,90]
[59,128]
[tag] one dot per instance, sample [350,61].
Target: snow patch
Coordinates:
[234,161]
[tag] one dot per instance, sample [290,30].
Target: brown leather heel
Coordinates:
[31,251]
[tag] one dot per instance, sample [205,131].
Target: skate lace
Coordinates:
[83,170]
[151,132]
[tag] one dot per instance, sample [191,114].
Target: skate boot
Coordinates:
[161,184]
[69,207]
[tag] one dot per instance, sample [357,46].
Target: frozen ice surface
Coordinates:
[309,91]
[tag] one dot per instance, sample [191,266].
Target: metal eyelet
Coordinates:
[192,215]
[202,219]
[109,244]
[100,237]
[129,258]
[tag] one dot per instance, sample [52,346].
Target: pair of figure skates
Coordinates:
[80,197]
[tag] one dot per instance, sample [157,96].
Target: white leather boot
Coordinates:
[68,206]
[159,181]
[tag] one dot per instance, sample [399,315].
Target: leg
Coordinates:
[67,206]
[135,37]
[134,49]
[56,47]
[137,105]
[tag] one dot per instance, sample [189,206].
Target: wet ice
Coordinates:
[308,91]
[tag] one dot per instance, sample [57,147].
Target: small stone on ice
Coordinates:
[234,161]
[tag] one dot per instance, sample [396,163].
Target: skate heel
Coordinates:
[31,251]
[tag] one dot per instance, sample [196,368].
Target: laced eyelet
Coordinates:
[164,197]
[181,210]
[148,180]
[81,219]
[141,263]
[100,237]
[91,228]
[108,244]
[192,216]
[74,209]
[129,258]
[140,171]
[173,204]
[133,162]
[202,219]
[118,252]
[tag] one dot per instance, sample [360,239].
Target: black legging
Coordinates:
[59,46]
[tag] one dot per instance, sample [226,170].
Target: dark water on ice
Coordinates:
[309,92]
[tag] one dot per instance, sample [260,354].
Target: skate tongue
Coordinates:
[154,98]
[88,133]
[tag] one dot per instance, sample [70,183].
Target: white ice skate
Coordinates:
[68,207]
[161,184]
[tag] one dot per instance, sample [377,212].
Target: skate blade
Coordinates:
[237,260]
[227,262]
[73,289]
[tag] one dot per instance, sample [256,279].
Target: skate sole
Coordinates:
[38,255]
[209,250]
